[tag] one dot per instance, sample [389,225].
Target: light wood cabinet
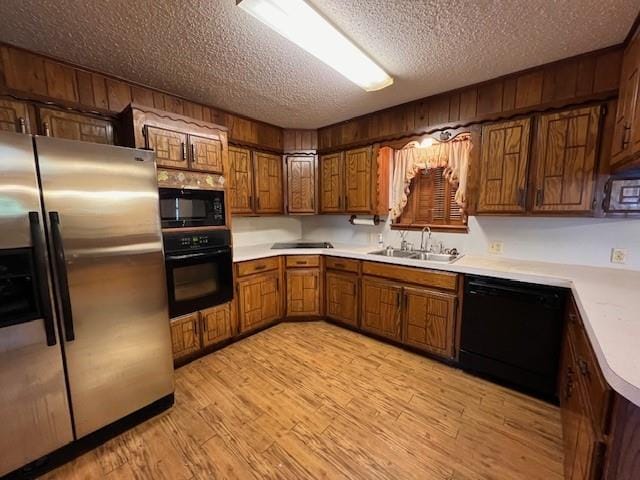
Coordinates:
[303,292]
[185,336]
[332,183]
[342,297]
[565,160]
[14,116]
[625,148]
[218,324]
[206,154]
[301,183]
[170,147]
[268,183]
[381,307]
[359,172]
[240,180]
[503,167]
[428,320]
[75,126]
[179,141]
[259,300]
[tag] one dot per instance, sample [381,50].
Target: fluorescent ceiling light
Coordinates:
[297,21]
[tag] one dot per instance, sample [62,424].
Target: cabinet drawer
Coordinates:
[344,264]
[597,390]
[419,276]
[258,266]
[302,261]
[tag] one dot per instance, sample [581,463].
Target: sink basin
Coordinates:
[395,253]
[426,256]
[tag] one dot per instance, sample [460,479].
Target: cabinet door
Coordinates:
[185,336]
[566,153]
[381,304]
[301,183]
[170,146]
[217,324]
[359,172]
[14,116]
[342,297]
[206,154]
[587,462]
[303,292]
[74,126]
[503,167]
[626,135]
[332,183]
[240,180]
[569,406]
[268,182]
[429,320]
[258,300]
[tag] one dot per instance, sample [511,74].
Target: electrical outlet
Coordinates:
[496,248]
[618,255]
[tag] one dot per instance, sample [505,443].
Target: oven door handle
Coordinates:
[209,254]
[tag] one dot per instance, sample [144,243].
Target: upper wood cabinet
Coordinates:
[240,180]
[428,320]
[359,172]
[332,183]
[503,167]
[625,148]
[301,183]
[565,160]
[342,297]
[75,126]
[14,116]
[381,307]
[269,193]
[170,147]
[179,141]
[354,181]
[206,154]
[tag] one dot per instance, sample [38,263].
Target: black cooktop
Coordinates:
[280,245]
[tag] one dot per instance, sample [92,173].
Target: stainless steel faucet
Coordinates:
[422,245]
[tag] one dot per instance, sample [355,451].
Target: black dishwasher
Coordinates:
[511,332]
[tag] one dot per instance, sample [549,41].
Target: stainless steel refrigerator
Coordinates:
[84,329]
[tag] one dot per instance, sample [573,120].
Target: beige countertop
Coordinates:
[608,299]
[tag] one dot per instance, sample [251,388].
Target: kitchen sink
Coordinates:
[426,256]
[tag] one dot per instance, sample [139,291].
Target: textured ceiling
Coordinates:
[213,52]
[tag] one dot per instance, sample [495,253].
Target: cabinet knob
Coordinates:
[46,130]
[22,125]
[194,159]
[184,150]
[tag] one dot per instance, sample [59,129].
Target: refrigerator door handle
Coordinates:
[40,263]
[61,271]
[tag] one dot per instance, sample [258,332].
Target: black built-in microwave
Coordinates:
[184,207]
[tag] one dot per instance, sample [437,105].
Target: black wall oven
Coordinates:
[199,270]
[184,207]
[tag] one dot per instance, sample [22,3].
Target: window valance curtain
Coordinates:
[412,158]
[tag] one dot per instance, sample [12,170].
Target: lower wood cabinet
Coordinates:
[303,292]
[381,307]
[185,335]
[217,324]
[342,297]
[428,320]
[259,300]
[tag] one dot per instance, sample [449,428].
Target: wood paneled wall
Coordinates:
[31,76]
[594,75]
[300,140]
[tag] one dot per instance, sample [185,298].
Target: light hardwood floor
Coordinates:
[312,400]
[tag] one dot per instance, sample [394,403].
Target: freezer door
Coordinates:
[34,412]
[101,204]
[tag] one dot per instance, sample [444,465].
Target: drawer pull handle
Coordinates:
[584,367]
[301,262]
[259,267]
[339,265]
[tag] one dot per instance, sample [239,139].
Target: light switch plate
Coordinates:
[496,248]
[618,255]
